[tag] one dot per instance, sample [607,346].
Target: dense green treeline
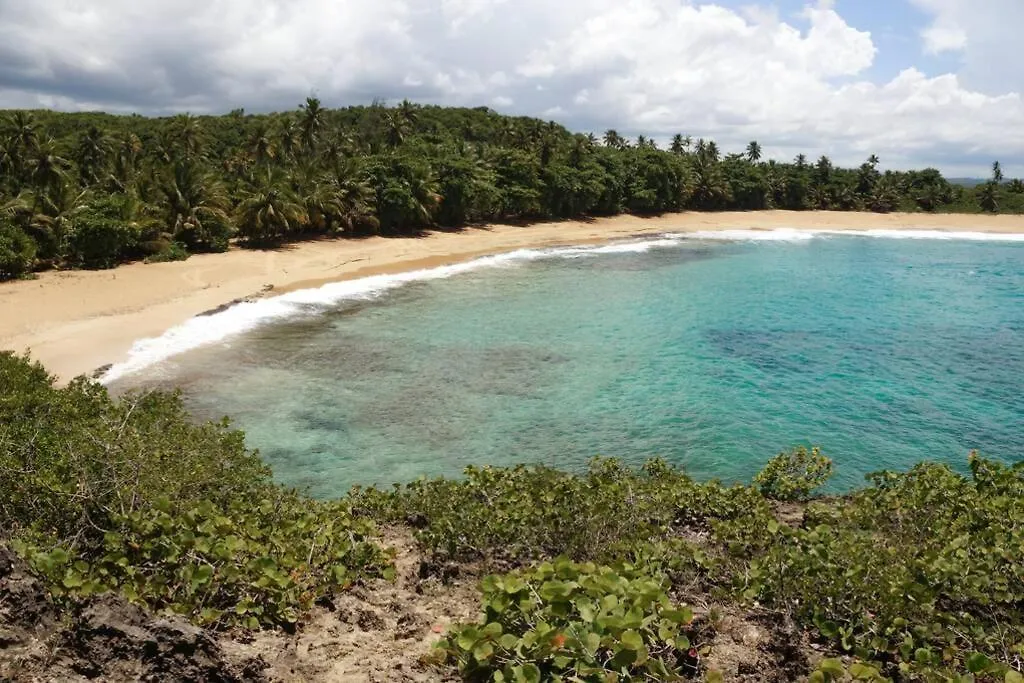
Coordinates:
[613,573]
[92,190]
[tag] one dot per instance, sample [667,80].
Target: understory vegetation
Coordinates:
[93,190]
[601,575]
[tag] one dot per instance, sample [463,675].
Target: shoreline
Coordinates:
[77,321]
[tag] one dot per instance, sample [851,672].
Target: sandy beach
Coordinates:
[77,321]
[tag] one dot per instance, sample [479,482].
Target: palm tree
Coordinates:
[424,190]
[196,206]
[289,138]
[707,150]
[126,159]
[48,170]
[997,172]
[354,199]
[396,128]
[340,200]
[800,161]
[189,135]
[613,139]
[753,152]
[261,145]
[823,170]
[269,209]
[47,215]
[711,149]
[873,161]
[884,196]
[710,189]
[92,155]
[408,112]
[988,199]
[22,137]
[312,123]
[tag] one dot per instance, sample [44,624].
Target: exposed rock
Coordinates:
[106,639]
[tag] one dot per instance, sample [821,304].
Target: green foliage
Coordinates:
[925,562]
[129,495]
[567,621]
[397,170]
[526,513]
[916,576]
[100,237]
[794,475]
[71,457]
[162,251]
[17,251]
[256,562]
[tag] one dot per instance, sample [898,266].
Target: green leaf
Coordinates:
[863,672]
[632,640]
[978,663]
[72,580]
[1013,677]
[483,651]
[832,667]
[526,673]
[683,615]
[466,640]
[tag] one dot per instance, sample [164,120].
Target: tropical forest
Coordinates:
[92,190]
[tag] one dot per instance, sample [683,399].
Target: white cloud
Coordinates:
[641,66]
[985,34]
[939,38]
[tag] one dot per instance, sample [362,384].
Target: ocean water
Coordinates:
[714,351]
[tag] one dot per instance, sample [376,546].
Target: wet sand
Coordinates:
[77,321]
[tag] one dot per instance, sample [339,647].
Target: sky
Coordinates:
[917,82]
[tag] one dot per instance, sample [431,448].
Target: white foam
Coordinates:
[776,235]
[245,316]
[797,235]
[931,235]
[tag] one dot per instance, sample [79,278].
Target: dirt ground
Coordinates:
[378,632]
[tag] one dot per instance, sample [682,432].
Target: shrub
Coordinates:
[100,238]
[921,568]
[525,513]
[574,622]
[252,563]
[17,251]
[72,457]
[162,251]
[794,475]
[86,490]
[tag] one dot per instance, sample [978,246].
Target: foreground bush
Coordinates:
[918,576]
[253,563]
[129,495]
[521,514]
[72,458]
[922,569]
[795,475]
[566,621]
[17,251]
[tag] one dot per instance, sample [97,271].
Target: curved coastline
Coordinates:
[77,321]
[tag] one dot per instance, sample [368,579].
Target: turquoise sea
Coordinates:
[715,354]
